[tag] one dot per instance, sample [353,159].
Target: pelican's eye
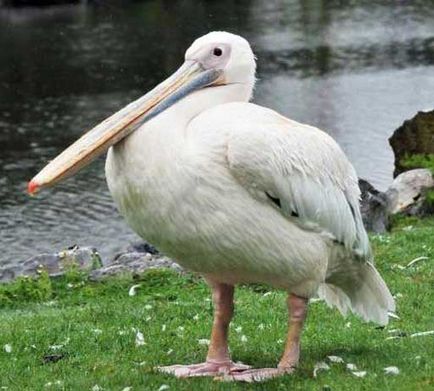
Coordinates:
[217,52]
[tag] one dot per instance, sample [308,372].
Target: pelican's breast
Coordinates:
[144,179]
[179,195]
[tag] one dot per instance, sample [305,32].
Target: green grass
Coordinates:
[95,325]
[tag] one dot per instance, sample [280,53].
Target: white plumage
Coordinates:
[198,182]
[237,193]
[199,194]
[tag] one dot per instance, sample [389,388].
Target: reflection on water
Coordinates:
[355,70]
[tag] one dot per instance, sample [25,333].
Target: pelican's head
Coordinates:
[212,61]
[227,53]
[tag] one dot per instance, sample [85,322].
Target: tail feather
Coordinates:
[369,298]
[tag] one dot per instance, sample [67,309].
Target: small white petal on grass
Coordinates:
[196,317]
[132,291]
[261,326]
[335,359]
[148,318]
[169,352]
[391,370]
[396,266]
[49,384]
[203,341]
[266,294]
[163,327]
[8,348]
[279,341]
[163,387]
[348,325]
[398,295]
[352,367]
[393,315]
[96,387]
[55,347]
[418,259]
[97,331]
[127,388]
[148,307]
[393,337]
[320,366]
[422,334]
[359,373]
[140,339]
[243,338]
[122,332]
[238,329]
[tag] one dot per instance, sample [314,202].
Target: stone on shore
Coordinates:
[134,263]
[414,136]
[407,194]
[374,206]
[84,258]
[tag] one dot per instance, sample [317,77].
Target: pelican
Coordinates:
[237,193]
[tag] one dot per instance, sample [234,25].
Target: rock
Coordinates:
[414,136]
[374,206]
[134,263]
[142,247]
[407,194]
[85,258]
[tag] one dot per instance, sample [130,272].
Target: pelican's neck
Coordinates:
[177,117]
[166,132]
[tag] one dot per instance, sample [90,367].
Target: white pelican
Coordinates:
[237,193]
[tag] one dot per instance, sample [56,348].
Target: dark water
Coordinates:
[356,71]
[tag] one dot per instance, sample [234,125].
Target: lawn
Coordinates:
[73,334]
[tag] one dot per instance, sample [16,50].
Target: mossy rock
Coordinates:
[414,136]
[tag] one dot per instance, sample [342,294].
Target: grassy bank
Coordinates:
[76,335]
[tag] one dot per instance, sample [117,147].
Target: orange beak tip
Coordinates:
[32,187]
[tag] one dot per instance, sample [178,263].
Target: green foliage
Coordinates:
[26,289]
[96,261]
[419,161]
[91,329]
[73,274]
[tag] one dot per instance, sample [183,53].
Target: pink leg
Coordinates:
[297,307]
[218,360]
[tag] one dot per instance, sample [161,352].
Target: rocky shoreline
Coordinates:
[135,260]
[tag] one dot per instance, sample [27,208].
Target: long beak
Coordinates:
[190,77]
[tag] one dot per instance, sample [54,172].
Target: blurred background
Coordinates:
[356,69]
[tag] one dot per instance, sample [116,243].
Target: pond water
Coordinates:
[356,71]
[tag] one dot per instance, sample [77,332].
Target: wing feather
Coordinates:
[304,169]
